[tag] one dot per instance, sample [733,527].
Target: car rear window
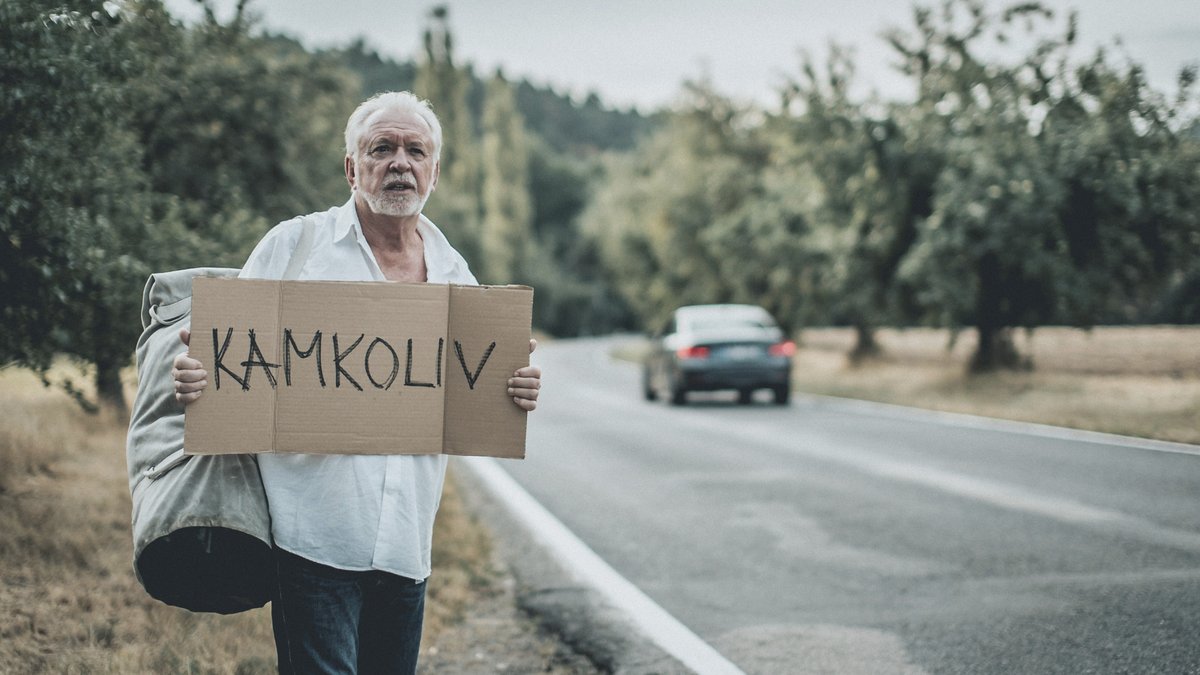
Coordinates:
[726,323]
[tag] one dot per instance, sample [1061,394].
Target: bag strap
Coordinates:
[302,250]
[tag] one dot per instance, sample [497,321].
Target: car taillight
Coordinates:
[692,352]
[785,348]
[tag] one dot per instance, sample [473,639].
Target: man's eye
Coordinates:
[416,152]
[379,149]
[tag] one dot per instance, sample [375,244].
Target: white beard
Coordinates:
[396,204]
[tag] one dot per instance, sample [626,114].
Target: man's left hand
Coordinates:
[523,386]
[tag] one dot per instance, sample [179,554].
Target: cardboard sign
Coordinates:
[333,367]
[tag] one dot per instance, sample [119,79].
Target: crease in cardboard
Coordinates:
[275,391]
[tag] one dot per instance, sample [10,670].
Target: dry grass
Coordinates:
[69,602]
[1139,380]
[464,568]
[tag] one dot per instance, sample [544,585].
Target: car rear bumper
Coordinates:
[698,378]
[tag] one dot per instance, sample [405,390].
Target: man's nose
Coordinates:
[400,162]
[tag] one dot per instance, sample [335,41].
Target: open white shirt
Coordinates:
[353,512]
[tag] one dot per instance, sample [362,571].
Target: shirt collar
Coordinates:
[439,260]
[439,255]
[347,222]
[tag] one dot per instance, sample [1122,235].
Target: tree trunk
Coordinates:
[108,388]
[865,344]
[996,351]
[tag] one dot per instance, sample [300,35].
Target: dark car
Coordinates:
[715,347]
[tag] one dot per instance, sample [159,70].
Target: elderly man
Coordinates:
[353,532]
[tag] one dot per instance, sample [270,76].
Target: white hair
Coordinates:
[401,101]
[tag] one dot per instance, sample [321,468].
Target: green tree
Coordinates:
[579,129]
[133,144]
[875,184]
[575,292]
[1052,202]
[1130,181]
[72,190]
[456,204]
[507,210]
[987,254]
[703,212]
[241,132]
[563,139]
[378,74]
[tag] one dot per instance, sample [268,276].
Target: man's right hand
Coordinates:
[189,374]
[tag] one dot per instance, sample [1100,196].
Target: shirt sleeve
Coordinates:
[464,273]
[270,257]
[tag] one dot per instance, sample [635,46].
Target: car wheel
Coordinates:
[782,394]
[745,396]
[678,395]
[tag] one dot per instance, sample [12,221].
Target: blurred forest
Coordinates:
[1015,188]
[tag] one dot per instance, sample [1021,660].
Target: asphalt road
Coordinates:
[819,537]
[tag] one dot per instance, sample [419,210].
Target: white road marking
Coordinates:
[588,568]
[1003,495]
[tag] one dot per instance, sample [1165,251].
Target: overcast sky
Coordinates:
[638,52]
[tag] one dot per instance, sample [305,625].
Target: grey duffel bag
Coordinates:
[201,531]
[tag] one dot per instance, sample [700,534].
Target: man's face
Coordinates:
[393,170]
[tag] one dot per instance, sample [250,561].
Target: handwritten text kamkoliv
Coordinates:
[380,361]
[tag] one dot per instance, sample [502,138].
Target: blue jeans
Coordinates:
[328,620]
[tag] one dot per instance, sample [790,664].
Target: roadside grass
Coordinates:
[69,601]
[1137,380]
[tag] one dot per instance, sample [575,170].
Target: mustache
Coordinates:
[406,179]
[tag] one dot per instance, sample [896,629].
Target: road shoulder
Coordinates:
[576,614]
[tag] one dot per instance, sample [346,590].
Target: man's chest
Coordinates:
[351,262]
[407,271]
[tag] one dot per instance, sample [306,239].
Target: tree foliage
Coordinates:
[133,144]
[705,212]
[1017,188]
[456,205]
[507,209]
[875,184]
[512,190]
[72,189]
[1064,193]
